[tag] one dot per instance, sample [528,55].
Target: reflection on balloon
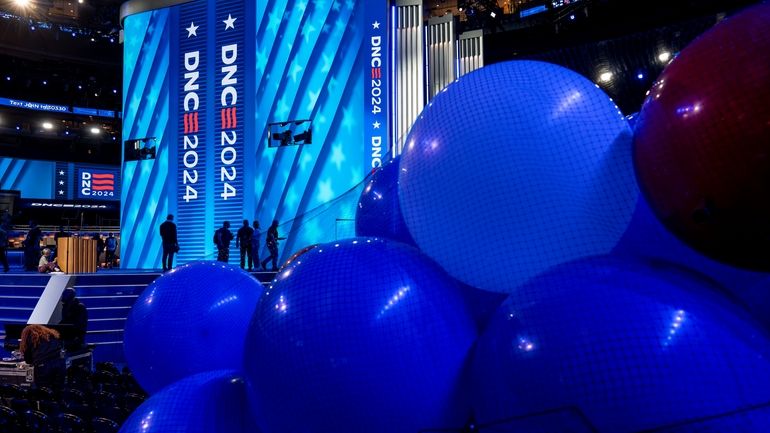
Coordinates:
[363,335]
[701,142]
[538,173]
[185,317]
[618,346]
[214,401]
[379,211]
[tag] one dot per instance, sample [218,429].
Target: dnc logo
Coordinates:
[95,183]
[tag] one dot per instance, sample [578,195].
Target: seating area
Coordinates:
[91,402]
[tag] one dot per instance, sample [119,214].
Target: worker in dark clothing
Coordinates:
[3,248]
[222,238]
[170,242]
[74,313]
[32,247]
[254,247]
[243,241]
[272,245]
[41,348]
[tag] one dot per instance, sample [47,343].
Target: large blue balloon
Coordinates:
[646,237]
[190,320]
[365,335]
[514,168]
[379,212]
[616,346]
[214,401]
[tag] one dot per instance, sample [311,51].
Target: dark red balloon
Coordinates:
[702,142]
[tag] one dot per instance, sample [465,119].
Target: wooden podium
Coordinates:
[76,255]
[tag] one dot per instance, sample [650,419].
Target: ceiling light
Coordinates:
[605,77]
[47,125]
[664,56]
[21,3]
[95,131]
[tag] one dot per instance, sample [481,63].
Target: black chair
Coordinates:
[104,425]
[104,399]
[83,411]
[107,366]
[40,394]
[21,405]
[73,396]
[9,391]
[8,420]
[69,423]
[115,413]
[132,400]
[34,421]
[50,407]
[103,376]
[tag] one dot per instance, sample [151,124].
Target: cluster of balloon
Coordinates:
[701,141]
[542,175]
[362,335]
[612,345]
[184,317]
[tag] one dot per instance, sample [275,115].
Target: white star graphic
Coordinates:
[229,22]
[338,156]
[61,172]
[61,182]
[61,192]
[376,25]
[376,125]
[191,31]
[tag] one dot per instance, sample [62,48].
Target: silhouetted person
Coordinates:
[32,246]
[170,242]
[42,348]
[254,247]
[243,241]
[99,248]
[74,313]
[3,248]
[60,234]
[222,238]
[272,245]
[110,246]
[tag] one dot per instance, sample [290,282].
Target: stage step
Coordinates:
[108,296]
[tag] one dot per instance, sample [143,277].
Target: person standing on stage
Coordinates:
[170,242]
[110,247]
[222,238]
[254,257]
[272,245]
[32,247]
[243,241]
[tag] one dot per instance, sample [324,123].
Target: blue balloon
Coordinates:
[514,168]
[214,401]
[188,320]
[646,237]
[365,335]
[379,212]
[618,346]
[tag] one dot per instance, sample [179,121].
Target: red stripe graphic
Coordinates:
[222,115]
[376,72]
[235,118]
[103,188]
[195,122]
[103,182]
[103,176]
[184,117]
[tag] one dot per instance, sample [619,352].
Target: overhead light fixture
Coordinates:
[605,77]
[664,56]
[21,3]
[95,131]
[47,125]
